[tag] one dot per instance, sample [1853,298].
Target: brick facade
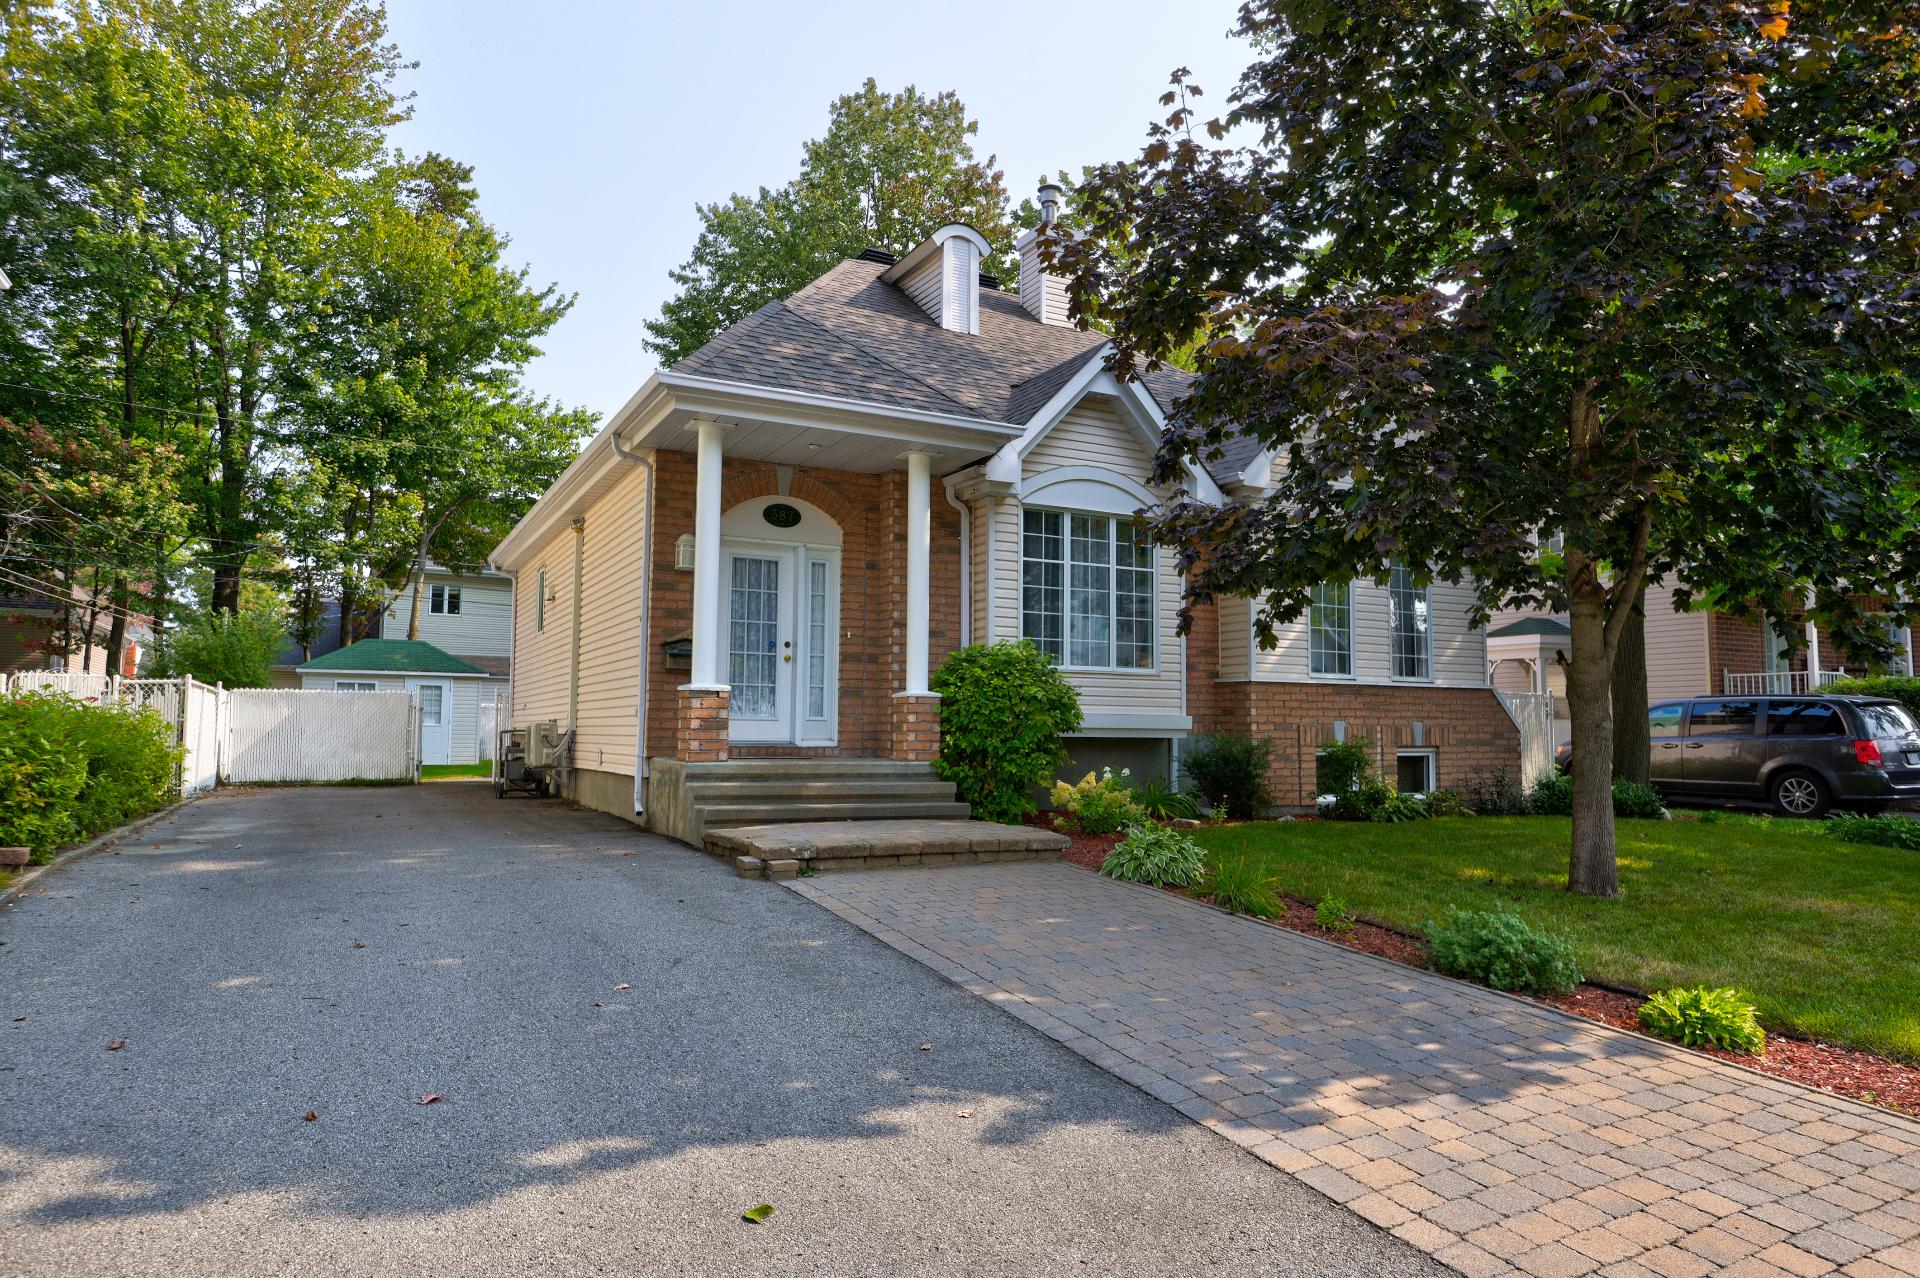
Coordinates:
[871,511]
[701,725]
[1467,730]
[915,734]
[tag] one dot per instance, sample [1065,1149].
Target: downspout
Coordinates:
[646,623]
[966,563]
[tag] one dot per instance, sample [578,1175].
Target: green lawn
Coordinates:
[1823,936]
[441,771]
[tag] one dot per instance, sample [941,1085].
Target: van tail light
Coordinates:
[1868,753]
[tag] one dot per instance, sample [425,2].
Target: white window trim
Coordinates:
[1352,674]
[1113,584]
[540,601]
[438,599]
[1431,755]
[355,685]
[1394,676]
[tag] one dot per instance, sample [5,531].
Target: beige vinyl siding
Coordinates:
[1236,637]
[1037,285]
[540,657]
[610,637]
[483,627]
[1093,433]
[1459,650]
[1676,648]
[979,563]
[925,285]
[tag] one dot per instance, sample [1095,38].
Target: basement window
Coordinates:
[1413,771]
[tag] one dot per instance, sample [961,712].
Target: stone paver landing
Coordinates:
[1497,1135]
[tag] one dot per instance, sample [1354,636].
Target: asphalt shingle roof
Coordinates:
[394,656]
[852,335]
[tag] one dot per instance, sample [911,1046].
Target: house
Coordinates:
[1697,653]
[33,631]
[447,688]
[469,614]
[763,554]
[326,639]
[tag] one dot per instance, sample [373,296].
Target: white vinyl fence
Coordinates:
[1532,713]
[262,736]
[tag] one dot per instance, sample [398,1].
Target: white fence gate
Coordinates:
[1532,713]
[261,735]
[307,734]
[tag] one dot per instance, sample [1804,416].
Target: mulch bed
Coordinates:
[1860,1076]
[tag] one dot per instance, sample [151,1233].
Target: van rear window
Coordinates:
[1885,719]
[1803,719]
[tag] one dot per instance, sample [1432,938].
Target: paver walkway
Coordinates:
[1498,1135]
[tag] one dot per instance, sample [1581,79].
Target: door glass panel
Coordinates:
[816,640]
[431,704]
[753,637]
[1724,718]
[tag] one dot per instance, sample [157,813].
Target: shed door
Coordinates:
[436,718]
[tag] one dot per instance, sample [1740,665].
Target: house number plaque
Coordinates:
[781,515]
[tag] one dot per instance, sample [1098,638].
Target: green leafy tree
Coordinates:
[891,169]
[1643,273]
[236,649]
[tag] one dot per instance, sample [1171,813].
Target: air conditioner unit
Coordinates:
[543,744]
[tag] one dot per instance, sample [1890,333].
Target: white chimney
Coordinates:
[1043,293]
[942,274]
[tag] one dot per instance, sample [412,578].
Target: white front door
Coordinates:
[436,718]
[779,654]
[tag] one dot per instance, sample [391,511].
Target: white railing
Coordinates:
[1532,714]
[1775,682]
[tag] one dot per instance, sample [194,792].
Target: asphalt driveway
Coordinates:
[267,954]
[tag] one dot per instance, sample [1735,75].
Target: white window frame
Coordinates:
[1398,574]
[355,685]
[1114,569]
[540,602]
[443,601]
[1432,759]
[1313,650]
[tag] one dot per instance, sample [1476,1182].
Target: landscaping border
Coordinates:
[34,873]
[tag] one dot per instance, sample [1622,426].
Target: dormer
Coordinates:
[942,274]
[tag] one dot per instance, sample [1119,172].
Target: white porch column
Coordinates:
[1813,657]
[706,560]
[919,573]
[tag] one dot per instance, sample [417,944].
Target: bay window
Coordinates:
[1086,590]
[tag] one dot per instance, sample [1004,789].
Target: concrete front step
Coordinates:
[809,770]
[718,815]
[828,790]
[787,848]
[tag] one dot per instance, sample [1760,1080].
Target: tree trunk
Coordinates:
[1593,870]
[120,598]
[1630,740]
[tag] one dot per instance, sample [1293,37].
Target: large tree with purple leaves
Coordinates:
[1645,274]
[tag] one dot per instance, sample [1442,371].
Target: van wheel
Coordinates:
[1801,794]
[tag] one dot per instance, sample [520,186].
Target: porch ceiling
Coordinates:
[793,429]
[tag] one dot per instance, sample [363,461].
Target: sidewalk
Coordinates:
[1495,1134]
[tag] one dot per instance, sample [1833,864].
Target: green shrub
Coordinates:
[1700,1017]
[1154,854]
[1551,796]
[1228,772]
[1162,802]
[1341,768]
[237,649]
[1902,688]
[1442,803]
[1887,831]
[1240,884]
[1636,801]
[1497,793]
[1499,949]
[70,769]
[1003,709]
[1333,914]
[1098,805]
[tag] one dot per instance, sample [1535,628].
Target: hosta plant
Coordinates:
[1154,854]
[1702,1017]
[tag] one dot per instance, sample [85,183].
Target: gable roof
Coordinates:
[391,656]
[851,334]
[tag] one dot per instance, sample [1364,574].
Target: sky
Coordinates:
[595,126]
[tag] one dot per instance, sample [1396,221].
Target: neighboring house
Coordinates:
[1689,654]
[764,553]
[286,667]
[447,688]
[470,614]
[31,627]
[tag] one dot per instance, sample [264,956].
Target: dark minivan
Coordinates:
[1802,754]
